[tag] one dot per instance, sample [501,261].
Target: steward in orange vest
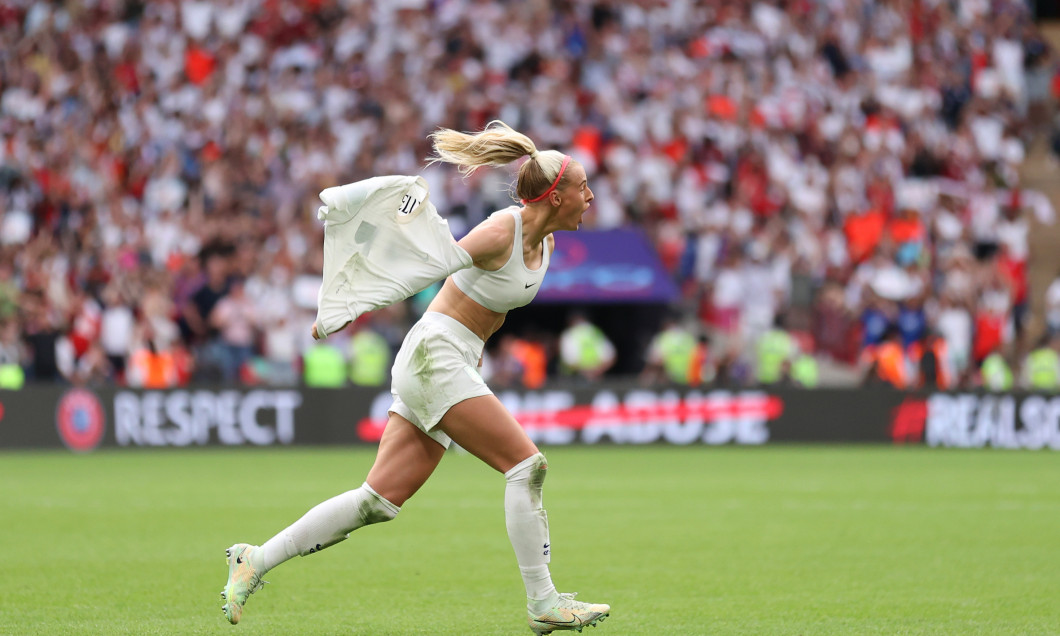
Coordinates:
[887,363]
[931,359]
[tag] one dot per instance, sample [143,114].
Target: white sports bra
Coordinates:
[511,286]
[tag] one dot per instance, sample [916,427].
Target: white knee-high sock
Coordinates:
[527,525]
[324,525]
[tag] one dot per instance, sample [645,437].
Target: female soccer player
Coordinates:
[439,395]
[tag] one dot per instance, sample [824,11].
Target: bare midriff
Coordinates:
[457,305]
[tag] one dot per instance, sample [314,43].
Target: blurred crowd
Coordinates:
[836,171]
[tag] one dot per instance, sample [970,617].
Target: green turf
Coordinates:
[778,540]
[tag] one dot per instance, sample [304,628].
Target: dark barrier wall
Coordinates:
[1045,9]
[86,419]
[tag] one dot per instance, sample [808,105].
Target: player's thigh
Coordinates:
[484,428]
[406,458]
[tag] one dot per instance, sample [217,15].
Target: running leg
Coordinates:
[488,431]
[406,458]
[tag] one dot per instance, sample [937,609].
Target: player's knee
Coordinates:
[538,471]
[531,471]
[375,508]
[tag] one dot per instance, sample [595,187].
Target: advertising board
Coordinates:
[83,419]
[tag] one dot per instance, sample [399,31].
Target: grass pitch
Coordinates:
[777,540]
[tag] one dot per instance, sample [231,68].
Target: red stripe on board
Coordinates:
[578,417]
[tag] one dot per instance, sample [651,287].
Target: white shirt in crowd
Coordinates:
[1052,305]
[955,325]
[116,327]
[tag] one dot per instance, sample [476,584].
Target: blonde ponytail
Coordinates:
[497,145]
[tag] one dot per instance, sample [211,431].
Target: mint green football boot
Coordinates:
[243,581]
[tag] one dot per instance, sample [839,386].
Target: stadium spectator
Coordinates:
[116,329]
[726,295]
[1041,368]
[281,351]
[12,377]
[504,368]
[584,349]
[878,316]
[673,355]
[953,322]
[832,324]
[805,371]
[864,230]
[995,373]
[369,357]
[886,363]
[202,332]
[42,331]
[518,362]
[533,354]
[1052,306]
[9,291]
[323,366]
[931,360]
[92,367]
[152,367]
[276,317]
[993,317]
[704,366]
[912,320]
[235,319]
[775,352]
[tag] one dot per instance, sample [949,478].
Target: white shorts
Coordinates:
[436,368]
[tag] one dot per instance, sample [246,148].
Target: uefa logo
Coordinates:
[79,419]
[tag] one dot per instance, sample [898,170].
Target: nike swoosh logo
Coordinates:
[529,285]
[551,622]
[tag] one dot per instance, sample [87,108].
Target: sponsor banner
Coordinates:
[199,417]
[79,420]
[1000,421]
[606,266]
[614,413]
[628,414]
[84,419]
[637,416]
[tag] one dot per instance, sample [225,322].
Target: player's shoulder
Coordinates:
[504,218]
[499,225]
[490,241]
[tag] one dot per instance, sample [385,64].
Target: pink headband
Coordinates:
[566,160]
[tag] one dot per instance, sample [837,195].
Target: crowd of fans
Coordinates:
[847,167]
